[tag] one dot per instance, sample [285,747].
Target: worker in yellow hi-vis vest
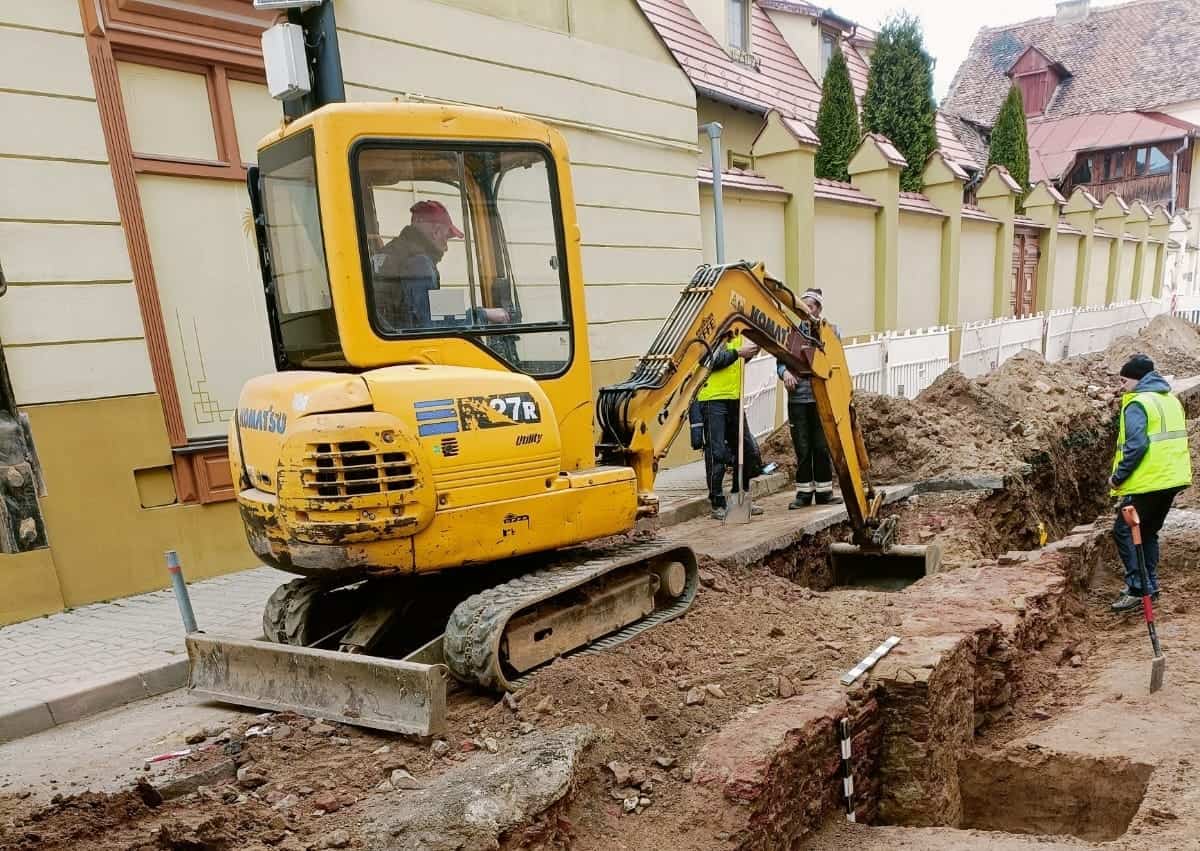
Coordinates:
[719,402]
[1152,464]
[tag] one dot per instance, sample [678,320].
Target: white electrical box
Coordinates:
[287,64]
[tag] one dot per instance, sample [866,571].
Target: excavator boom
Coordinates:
[641,417]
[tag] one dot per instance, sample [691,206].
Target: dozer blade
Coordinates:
[400,696]
[893,568]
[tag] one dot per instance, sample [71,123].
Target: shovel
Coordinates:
[739,510]
[1158,667]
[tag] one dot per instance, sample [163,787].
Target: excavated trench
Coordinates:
[1051,794]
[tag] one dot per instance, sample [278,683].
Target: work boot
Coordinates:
[719,513]
[802,500]
[828,499]
[1126,603]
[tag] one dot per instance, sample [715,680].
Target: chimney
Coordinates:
[1069,11]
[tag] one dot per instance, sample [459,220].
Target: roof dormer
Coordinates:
[1038,76]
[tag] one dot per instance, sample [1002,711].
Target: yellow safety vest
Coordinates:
[1167,463]
[724,383]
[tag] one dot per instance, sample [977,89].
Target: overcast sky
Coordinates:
[950,25]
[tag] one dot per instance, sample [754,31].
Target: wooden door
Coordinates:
[1026,252]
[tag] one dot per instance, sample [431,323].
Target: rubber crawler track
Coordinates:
[472,640]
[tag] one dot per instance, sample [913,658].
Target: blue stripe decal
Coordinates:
[434,403]
[446,414]
[437,428]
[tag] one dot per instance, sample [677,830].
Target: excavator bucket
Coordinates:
[399,695]
[890,569]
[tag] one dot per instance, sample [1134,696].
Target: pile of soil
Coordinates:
[1173,345]
[1007,419]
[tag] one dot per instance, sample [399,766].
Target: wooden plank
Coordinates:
[69,312]
[609,226]
[56,190]
[51,127]
[604,265]
[621,339]
[64,252]
[372,62]
[624,302]
[53,63]
[464,34]
[49,14]
[66,373]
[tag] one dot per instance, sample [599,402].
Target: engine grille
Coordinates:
[355,468]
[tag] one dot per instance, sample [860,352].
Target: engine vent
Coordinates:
[355,468]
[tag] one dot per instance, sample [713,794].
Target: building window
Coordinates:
[739,25]
[1150,161]
[829,44]
[1114,165]
[1083,171]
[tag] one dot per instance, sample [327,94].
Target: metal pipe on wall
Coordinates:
[713,129]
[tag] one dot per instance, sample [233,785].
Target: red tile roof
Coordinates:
[915,202]
[970,211]
[780,81]
[836,190]
[1054,142]
[737,178]
[953,148]
[1025,221]
[888,149]
[1128,57]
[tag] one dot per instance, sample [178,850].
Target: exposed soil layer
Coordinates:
[1021,791]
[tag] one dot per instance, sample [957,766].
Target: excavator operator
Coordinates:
[406,270]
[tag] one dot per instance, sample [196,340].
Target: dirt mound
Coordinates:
[1173,345]
[1190,498]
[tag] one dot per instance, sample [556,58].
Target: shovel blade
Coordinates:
[1158,671]
[737,512]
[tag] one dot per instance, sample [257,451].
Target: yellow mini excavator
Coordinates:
[425,457]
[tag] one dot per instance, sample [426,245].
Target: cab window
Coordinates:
[465,242]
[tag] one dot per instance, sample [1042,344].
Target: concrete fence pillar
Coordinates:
[875,170]
[1112,216]
[944,181]
[1137,226]
[785,153]
[1080,212]
[998,198]
[1044,205]
[1159,229]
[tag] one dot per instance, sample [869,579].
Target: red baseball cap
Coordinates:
[433,211]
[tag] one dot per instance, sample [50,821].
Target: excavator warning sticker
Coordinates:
[435,416]
[500,411]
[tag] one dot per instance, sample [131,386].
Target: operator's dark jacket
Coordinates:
[405,272]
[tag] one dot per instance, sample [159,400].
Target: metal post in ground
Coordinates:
[181,592]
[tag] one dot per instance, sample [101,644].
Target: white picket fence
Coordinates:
[906,362]
[900,363]
[903,363]
[759,403]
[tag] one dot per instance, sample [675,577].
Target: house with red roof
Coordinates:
[1111,95]
[747,57]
